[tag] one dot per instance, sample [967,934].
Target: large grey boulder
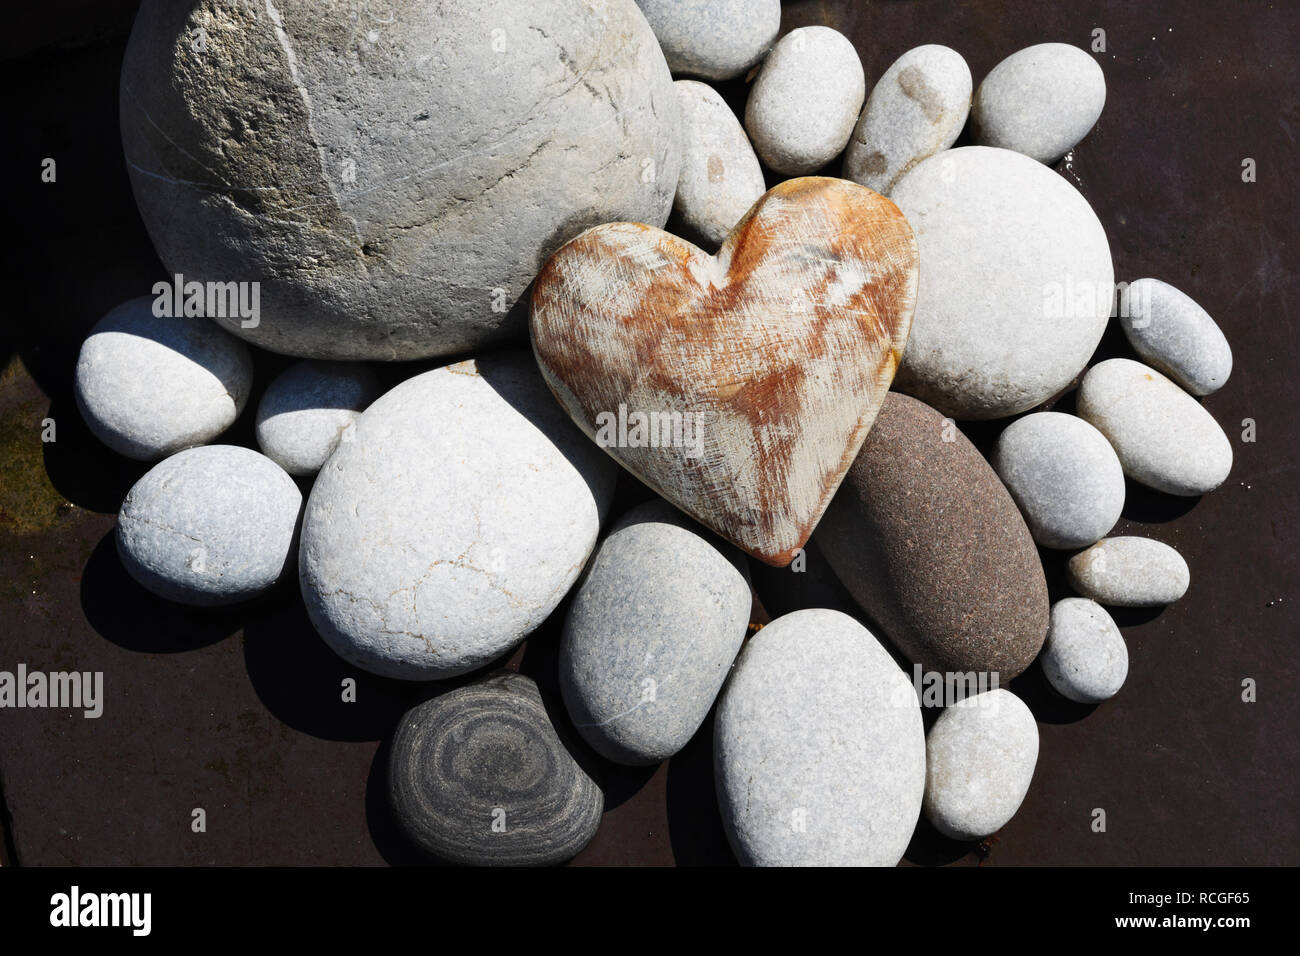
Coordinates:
[394,183]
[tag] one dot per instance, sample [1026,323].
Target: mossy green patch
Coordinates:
[29,503]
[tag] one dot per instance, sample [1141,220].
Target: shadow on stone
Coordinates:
[300,679]
[123,612]
[1041,698]
[1133,616]
[83,470]
[929,847]
[1149,506]
[384,832]
[695,829]
[540,661]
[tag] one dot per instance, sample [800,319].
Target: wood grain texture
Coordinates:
[769,360]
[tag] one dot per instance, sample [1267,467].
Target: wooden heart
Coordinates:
[738,386]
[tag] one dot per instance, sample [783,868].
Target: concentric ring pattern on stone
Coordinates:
[479,776]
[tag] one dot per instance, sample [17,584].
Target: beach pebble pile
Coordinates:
[398,214]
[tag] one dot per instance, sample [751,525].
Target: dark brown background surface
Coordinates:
[238,711]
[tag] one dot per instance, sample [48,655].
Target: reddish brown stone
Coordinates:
[931,544]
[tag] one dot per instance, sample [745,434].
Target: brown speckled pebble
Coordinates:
[930,543]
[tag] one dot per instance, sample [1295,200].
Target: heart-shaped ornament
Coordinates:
[738,386]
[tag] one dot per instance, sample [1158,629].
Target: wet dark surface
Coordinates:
[239,712]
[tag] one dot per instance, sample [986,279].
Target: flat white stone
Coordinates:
[980,758]
[1129,571]
[394,175]
[150,386]
[1016,282]
[1085,657]
[308,409]
[713,39]
[720,177]
[1164,438]
[1064,476]
[209,526]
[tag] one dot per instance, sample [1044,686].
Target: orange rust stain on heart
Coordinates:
[787,341]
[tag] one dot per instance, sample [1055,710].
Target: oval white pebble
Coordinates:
[720,177]
[1039,101]
[1016,282]
[149,386]
[211,525]
[453,522]
[916,109]
[980,757]
[713,39]
[306,410]
[802,108]
[638,676]
[1164,438]
[1085,657]
[1130,571]
[1064,476]
[819,750]
[1175,335]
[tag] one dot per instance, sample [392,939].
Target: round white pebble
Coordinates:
[1016,282]
[209,526]
[308,408]
[149,386]
[453,522]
